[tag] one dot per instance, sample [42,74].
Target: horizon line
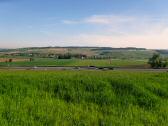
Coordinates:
[86,47]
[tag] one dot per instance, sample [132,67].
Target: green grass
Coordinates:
[91,98]
[77,62]
[127,54]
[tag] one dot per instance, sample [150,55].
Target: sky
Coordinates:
[107,23]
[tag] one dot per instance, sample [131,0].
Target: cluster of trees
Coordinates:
[70,56]
[9,61]
[49,55]
[65,56]
[157,61]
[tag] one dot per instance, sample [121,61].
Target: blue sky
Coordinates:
[114,23]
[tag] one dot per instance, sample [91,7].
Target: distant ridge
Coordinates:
[87,51]
[126,48]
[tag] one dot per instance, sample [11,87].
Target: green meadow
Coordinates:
[83,98]
[77,62]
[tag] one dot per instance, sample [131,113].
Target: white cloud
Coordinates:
[123,31]
[121,23]
[107,30]
[108,19]
[101,19]
[151,40]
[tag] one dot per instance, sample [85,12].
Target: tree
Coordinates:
[157,61]
[10,60]
[31,59]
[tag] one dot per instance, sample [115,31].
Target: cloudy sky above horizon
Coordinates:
[113,23]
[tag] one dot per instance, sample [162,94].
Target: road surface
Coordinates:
[83,68]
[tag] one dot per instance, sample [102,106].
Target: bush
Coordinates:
[157,61]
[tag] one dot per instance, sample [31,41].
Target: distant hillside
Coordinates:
[99,52]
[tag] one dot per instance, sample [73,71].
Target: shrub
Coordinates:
[157,61]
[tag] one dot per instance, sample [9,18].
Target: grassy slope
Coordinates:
[105,52]
[75,62]
[126,54]
[83,98]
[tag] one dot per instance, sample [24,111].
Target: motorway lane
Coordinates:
[83,68]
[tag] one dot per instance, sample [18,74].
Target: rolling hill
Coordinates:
[90,52]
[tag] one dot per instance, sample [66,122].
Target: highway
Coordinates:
[83,68]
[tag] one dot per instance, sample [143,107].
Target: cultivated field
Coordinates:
[2,60]
[78,62]
[91,98]
[53,96]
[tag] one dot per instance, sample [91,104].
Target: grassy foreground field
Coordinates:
[90,98]
[76,62]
